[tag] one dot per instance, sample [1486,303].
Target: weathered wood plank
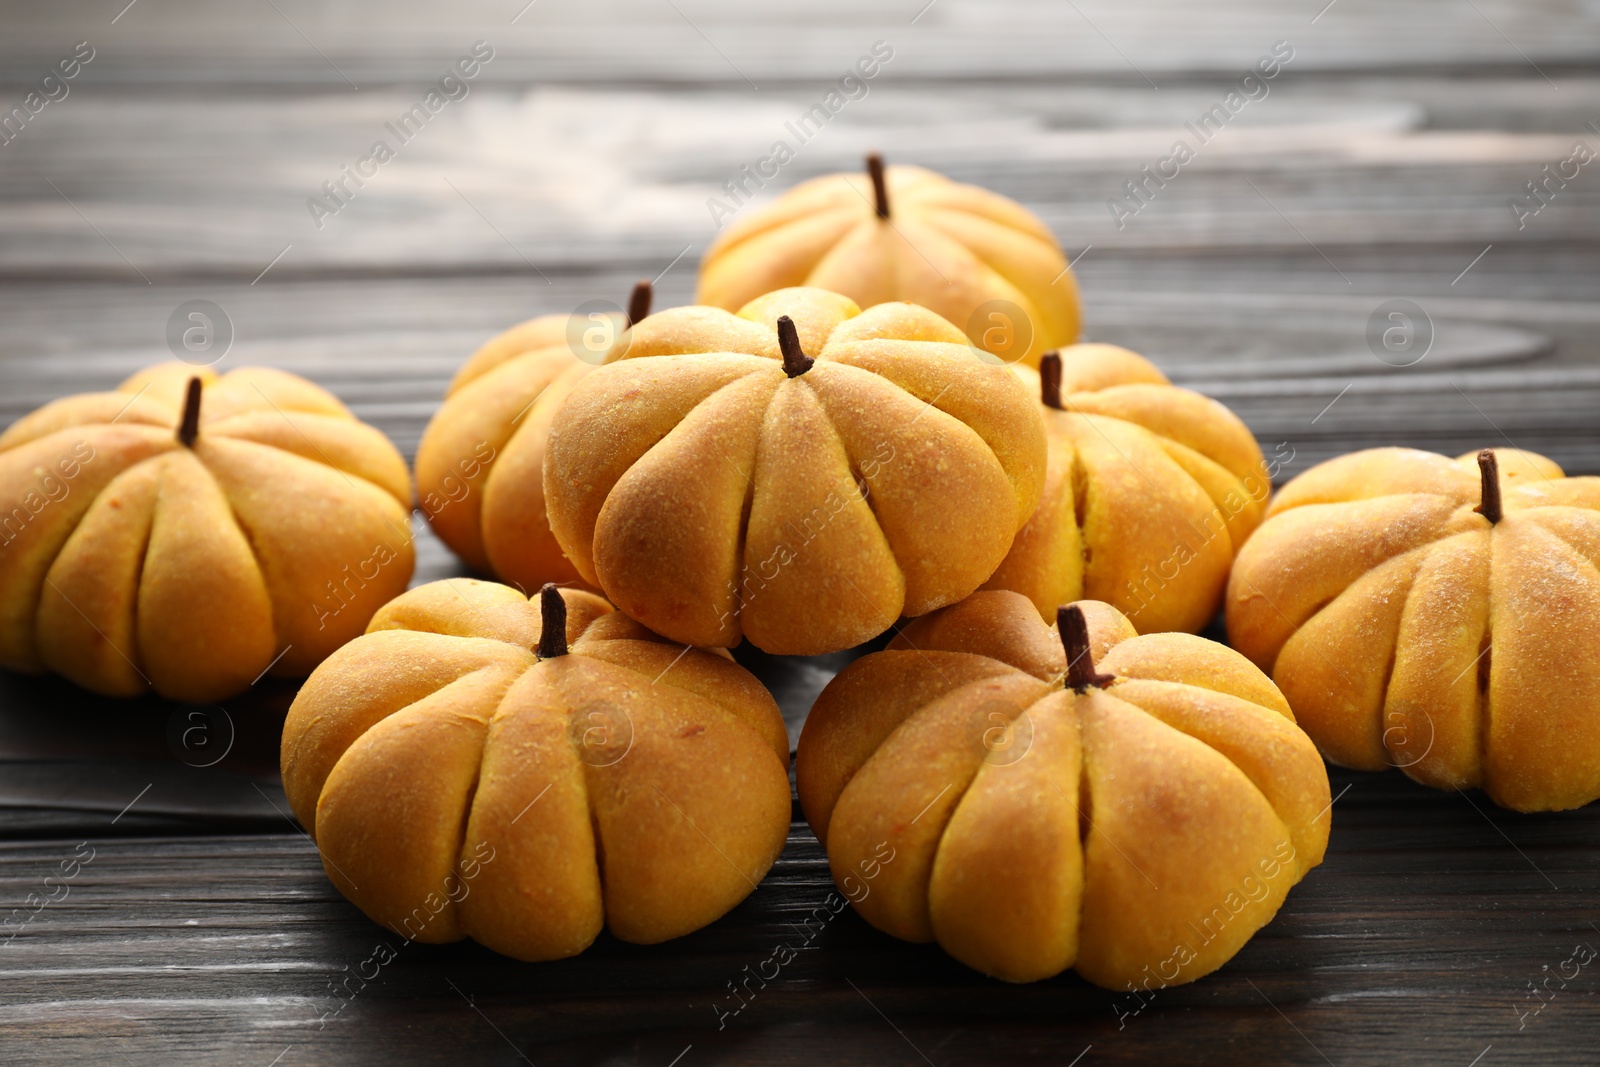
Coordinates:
[1277,340]
[1421,910]
[152,186]
[719,40]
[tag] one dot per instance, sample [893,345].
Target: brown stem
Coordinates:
[1050,379]
[795,361]
[880,187]
[189,426]
[639,303]
[1489,468]
[1074,630]
[553,623]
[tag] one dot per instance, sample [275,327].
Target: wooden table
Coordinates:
[1380,165]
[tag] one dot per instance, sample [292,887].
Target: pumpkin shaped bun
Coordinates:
[480,462]
[976,258]
[1440,615]
[802,473]
[1148,492]
[524,773]
[188,532]
[1135,807]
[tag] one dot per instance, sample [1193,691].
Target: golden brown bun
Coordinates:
[1407,630]
[712,497]
[129,562]
[459,786]
[947,246]
[480,462]
[1149,490]
[1141,832]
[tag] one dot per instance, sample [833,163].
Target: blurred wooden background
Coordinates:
[1381,165]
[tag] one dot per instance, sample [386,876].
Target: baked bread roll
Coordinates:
[1137,815]
[1149,489]
[186,532]
[1440,615]
[525,774]
[974,257]
[480,463]
[801,474]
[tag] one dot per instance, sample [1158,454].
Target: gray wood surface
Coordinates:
[1380,165]
[1415,941]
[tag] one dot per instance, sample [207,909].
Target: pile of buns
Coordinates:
[876,422]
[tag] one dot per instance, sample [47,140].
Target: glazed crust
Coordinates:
[949,247]
[480,461]
[458,786]
[1149,490]
[1407,630]
[713,497]
[129,562]
[1141,833]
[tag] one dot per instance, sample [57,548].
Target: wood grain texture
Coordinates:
[1416,938]
[302,42]
[547,178]
[1380,166]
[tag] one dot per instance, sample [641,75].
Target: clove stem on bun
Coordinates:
[880,186]
[795,361]
[189,425]
[1074,629]
[1489,468]
[639,303]
[552,622]
[1050,380]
